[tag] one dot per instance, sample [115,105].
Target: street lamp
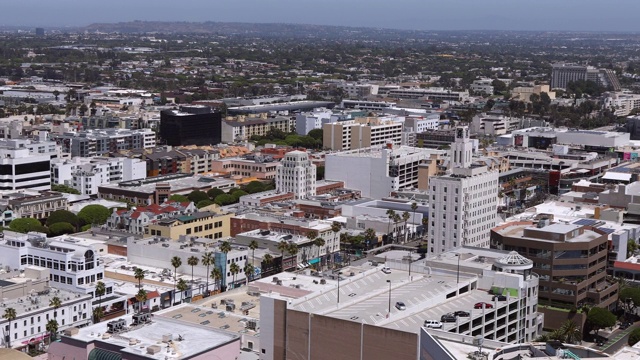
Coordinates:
[339,273]
[410,263]
[389,312]
[458,273]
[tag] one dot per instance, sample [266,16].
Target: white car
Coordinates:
[386,270]
[434,324]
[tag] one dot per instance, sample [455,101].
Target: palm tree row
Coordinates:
[569,332]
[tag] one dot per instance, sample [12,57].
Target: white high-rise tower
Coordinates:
[296,174]
[463,202]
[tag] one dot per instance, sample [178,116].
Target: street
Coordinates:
[617,340]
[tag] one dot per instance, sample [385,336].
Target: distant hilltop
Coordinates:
[229,28]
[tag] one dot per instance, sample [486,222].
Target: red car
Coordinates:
[481,304]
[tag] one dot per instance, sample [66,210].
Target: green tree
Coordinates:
[267,259]
[141,298]
[234,269]
[178,198]
[414,207]
[63,216]
[204,203]
[94,214]
[24,225]
[237,194]
[64,189]
[405,218]
[634,337]
[253,245]
[10,315]
[197,196]
[225,199]
[572,332]
[182,287]
[254,187]
[370,237]
[99,292]
[498,86]
[61,228]
[98,314]
[216,274]
[138,273]
[52,329]
[248,271]
[317,134]
[176,262]
[320,172]
[599,318]
[214,192]
[55,303]
[282,247]
[208,260]
[192,261]
[391,214]
[632,246]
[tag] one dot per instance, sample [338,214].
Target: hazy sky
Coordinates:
[590,15]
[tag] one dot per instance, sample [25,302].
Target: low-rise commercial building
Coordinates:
[29,294]
[208,225]
[158,189]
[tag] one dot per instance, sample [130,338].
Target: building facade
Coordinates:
[296,174]
[191,125]
[464,202]
[361,133]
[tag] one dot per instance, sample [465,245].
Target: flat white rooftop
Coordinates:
[195,338]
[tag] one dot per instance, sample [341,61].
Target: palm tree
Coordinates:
[55,303]
[141,298]
[414,207]
[10,315]
[253,245]
[391,214]
[267,259]
[282,247]
[182,287]
[100,290]
[293,249]
[319,242]
[192,261]
[248,272]
[138,273]
[216,274]
[176,262]
[225,247]
[405,217]
[52,328]
[208,260]
[369,236]
[98,314]
[543,338]
[396,220]
[572,332]
[234,269]
[425,224]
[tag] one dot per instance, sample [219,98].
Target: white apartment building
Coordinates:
[72,265]
[306,122]
[29,295]
[621,103]
[361,133]
[419,124]
[357,91]
[366,105]
[86,174]
[25,164]
[296,174]
[482,86]
[88,143]
[464,202]
[377,171]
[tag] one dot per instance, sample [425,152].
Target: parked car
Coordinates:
[433,324]
[480,305]
[450,317]
[462,313]
[401,306]
[386,270]
[499,298]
